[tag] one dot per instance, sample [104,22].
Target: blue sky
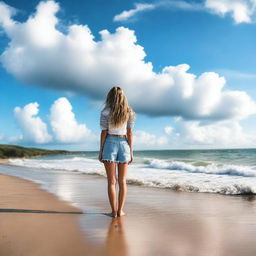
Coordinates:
[203,38]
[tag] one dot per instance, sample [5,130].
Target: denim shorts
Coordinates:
[116,149]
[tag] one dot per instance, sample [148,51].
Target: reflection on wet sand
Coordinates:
[105,235]
[197,225]
[116,240]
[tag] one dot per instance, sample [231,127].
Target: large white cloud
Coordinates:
[34,130]
[64,124]
[241,10]
[39,54]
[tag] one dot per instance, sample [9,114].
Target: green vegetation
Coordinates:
[8,151]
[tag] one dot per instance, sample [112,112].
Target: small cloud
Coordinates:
[242,11]
[144,139]
[139,7]
[125,15]
[64,124]
[14,139]
[33,129]
[6,12]
[168,130]
[229,73]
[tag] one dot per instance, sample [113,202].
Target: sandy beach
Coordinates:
[158,221]
[4,161]
[35,222]
[158,95]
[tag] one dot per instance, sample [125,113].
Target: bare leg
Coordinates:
[111,175]
[122,171]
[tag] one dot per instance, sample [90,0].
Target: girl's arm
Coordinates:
[130,142]
[103,137]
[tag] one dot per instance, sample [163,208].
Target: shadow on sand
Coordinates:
[37,211]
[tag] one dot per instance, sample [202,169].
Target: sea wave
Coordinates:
[174,175]
[230,169]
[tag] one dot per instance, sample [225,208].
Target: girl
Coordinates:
[116,122]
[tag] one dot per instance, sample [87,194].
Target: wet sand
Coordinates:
[158,221]
[164,222]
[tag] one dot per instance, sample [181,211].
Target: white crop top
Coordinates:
[105,124]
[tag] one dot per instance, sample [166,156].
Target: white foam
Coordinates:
[79,164]
[175,175]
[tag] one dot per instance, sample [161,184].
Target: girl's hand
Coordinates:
[131,159]
[100,157]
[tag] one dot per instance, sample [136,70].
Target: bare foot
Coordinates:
[113,214]
[119,214]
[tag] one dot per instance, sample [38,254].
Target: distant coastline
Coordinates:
[13,151]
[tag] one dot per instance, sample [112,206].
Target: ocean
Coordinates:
[224,171]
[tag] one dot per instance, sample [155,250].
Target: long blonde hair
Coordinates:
[119,108]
